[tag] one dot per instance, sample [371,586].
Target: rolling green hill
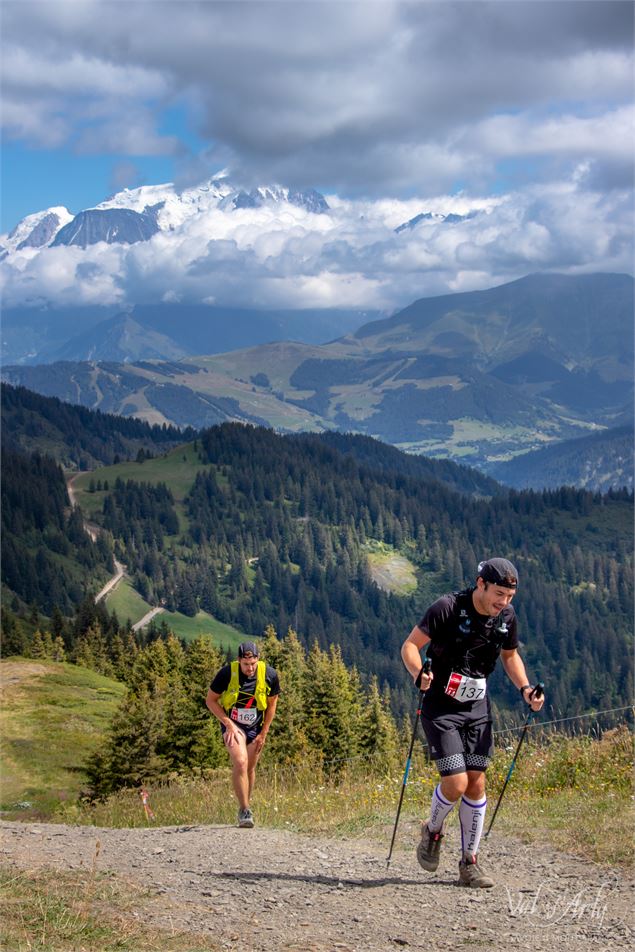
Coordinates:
[53,717]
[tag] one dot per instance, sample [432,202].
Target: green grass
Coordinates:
[572,793]
[203,624]
[390,570]
[130,606]
[127,603]
[53,716]
[47,910]
[177,469]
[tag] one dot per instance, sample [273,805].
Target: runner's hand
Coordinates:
[534,698]
[424,680]
[231,735]
[259,742]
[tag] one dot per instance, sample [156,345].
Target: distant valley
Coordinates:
[479,377]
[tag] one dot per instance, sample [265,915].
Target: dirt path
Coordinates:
[268,890]
[147,618]
[120,571]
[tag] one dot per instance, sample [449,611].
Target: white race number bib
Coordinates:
[245,715]
[463,689]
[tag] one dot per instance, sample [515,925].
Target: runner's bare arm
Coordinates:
[270,713]
[219,712]
[515,671]
[411,655]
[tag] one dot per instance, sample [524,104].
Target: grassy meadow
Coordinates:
[53,715]
[130,606]
[45,910]
[573,793]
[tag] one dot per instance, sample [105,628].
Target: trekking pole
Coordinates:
[537,692]
[425,670]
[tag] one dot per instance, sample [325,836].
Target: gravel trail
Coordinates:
[265,890]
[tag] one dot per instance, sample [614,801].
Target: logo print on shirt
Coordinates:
[465,625]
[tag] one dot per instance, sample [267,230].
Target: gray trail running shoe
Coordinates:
[429,848]
[245,819]
[471,874]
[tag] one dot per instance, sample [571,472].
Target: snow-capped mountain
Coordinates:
[37,230]
[435,218]
[112,225]
[134,215]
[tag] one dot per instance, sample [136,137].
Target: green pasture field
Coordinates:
[53,716]
[127,603]
[177,469]
[130,606]
[390,570]
[222,635]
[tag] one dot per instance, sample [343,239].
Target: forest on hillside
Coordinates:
[277,530]
[278,533]
[75,436]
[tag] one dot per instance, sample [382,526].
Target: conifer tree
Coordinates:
[379,739]
[59,651]
[130,756]
[287,742]
[41,645]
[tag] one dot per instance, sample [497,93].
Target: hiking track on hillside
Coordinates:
[266,890]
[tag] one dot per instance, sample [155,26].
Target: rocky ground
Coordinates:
[266,890]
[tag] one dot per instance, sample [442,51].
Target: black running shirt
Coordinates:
[464,641]
[246,688]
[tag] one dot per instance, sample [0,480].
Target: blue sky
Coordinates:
[375,101]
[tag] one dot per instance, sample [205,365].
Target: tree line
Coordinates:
[326,716]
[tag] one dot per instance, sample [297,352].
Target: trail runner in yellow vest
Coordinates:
[464,634]
[244,696]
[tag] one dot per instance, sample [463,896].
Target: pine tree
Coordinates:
[130,755]
[59,651]
[379,739]
[287,742]
[41,645]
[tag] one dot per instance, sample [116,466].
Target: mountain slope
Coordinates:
[476,377]
[599,462]
[259,528]
[75,437]
[53,717]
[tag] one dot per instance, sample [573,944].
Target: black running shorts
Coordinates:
[459,740]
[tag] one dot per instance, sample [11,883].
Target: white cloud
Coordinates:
[283,256]
[381,98]
[520,111]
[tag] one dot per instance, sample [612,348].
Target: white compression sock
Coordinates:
[472,817]
[439,810]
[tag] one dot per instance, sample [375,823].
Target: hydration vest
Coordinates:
[229,696]
[452,652]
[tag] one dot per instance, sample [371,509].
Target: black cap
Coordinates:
[248,647]
[499,571]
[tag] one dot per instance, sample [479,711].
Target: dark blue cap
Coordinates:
[248,647]
[499,571]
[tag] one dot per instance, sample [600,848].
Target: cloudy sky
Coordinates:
[521,110]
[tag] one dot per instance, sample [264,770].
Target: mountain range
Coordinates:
[479,377]
[220,248]
[137,214]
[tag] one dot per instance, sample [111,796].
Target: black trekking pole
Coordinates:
[425,670]
[537,692]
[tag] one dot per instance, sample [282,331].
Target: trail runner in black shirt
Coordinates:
[464,633]
[244,696]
